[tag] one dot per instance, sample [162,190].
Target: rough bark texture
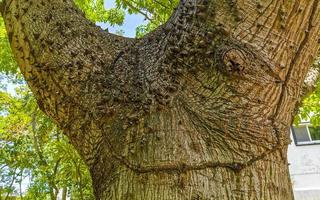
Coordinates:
[198,109]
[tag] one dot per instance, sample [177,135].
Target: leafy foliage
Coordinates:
[157,12]
[7,63]
[310,108]
[96,12]
[32,147]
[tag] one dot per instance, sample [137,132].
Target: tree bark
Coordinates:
[64,193]
[198,109]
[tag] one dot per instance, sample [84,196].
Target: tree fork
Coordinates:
[198,109]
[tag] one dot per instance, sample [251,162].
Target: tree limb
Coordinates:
[73,67]
[64,54]
[2,7]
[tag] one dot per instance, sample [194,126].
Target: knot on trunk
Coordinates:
[233,60]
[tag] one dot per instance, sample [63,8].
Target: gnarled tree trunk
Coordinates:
[198,109]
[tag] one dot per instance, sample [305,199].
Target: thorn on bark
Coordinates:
[259,5]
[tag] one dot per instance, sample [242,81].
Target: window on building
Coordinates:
[306,134]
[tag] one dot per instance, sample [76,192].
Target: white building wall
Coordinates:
[304,166]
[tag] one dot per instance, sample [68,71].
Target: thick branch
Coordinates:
[66,60]
[249,40]
[63,56]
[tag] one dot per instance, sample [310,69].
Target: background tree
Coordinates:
[33,149]
[205,116]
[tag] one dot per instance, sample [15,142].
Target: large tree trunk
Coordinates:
[198,109]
